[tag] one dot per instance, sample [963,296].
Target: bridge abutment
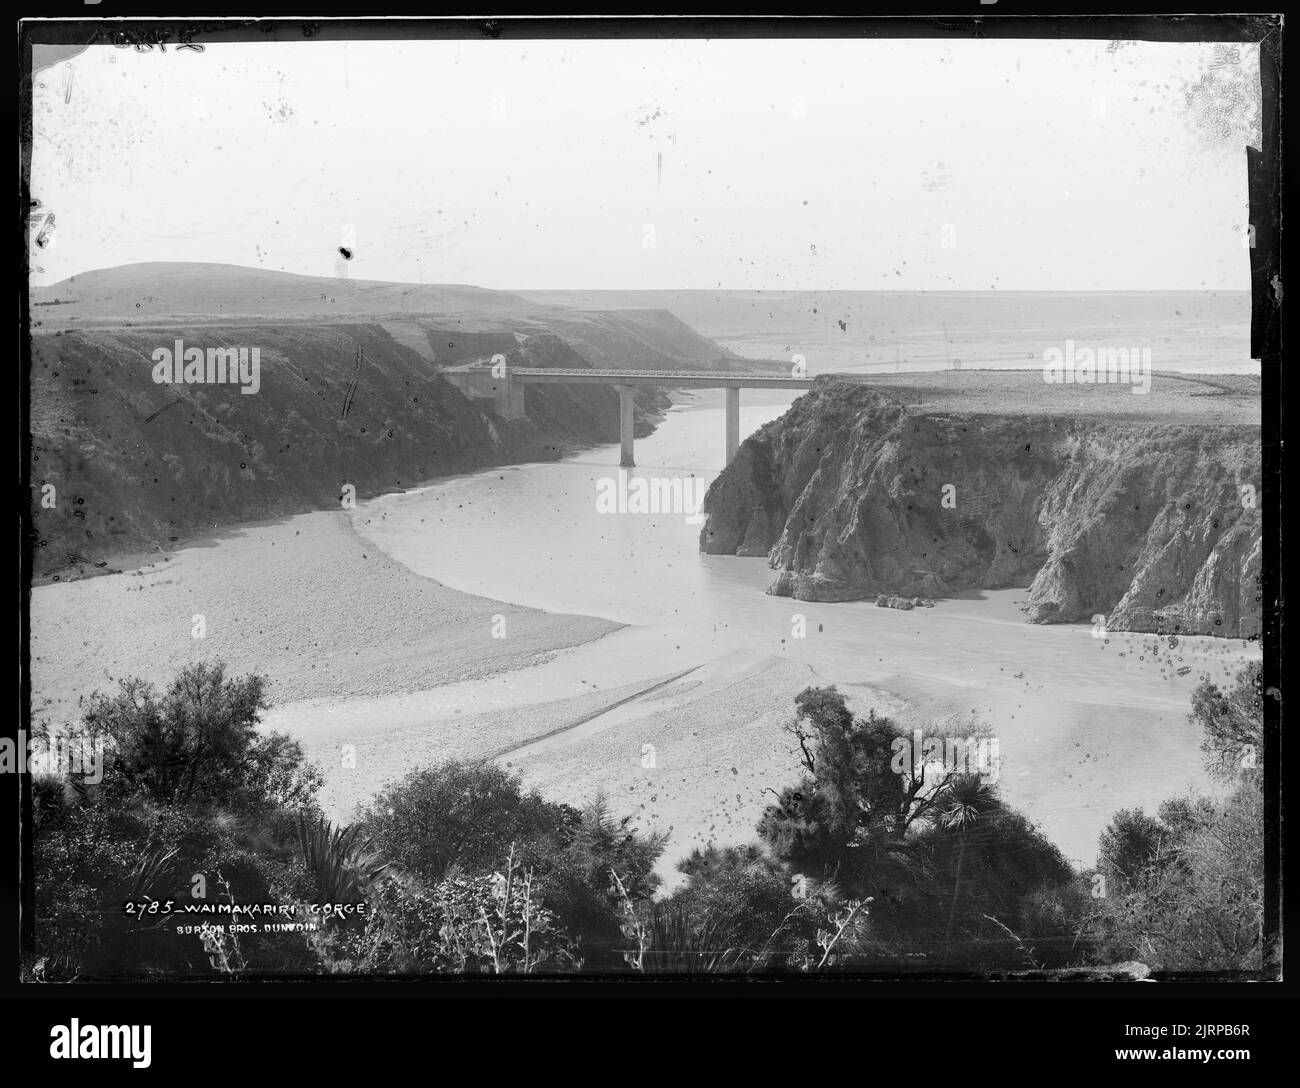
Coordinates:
[490,383]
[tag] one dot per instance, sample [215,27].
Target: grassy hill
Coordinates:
[180,290]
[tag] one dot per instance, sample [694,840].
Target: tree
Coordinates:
[963,804]
[1200,904]
[198,743]
[1191,882]
[459,816]
[847,790]
[1232,723]
[742,897]
[851,802]
[1129,847]
[575,876]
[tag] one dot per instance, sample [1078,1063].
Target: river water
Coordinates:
[1086,725]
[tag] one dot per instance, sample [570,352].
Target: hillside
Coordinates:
[137,464]
[165,289]
[350,393]
[853,494]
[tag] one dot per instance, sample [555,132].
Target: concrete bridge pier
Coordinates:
[508,397]
[733,421]
[625,426]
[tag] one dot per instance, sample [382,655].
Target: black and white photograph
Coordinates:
[525,500]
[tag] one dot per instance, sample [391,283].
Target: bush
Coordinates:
[742,896]
[487,924]
[1129,847]
[1187,888]
[193,808]
[459,817]
[1199,905]
[575,879]
[197,744]
[100,856]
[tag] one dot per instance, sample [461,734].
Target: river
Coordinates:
[1085,725]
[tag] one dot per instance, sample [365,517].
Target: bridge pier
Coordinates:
[733,421]
[509,397]
[627,381]
[625,420]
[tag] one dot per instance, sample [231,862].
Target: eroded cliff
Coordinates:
[852,494]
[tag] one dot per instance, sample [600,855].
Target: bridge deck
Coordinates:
[696,379]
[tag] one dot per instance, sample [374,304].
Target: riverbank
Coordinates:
[303,599]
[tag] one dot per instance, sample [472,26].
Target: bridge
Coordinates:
[505,386]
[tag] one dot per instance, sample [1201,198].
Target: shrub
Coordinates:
[198,743]
[742,896]
[1190,884]
[1199,905]
[458,817]
[194,806]
[494,924]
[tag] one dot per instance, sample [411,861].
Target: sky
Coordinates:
[674,164]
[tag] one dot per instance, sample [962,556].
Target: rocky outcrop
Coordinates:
[852,496]
[905,604]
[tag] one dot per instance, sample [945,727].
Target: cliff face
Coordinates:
[122,463]
[350,393]
[851,495]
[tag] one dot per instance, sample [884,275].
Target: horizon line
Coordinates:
[643,290]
